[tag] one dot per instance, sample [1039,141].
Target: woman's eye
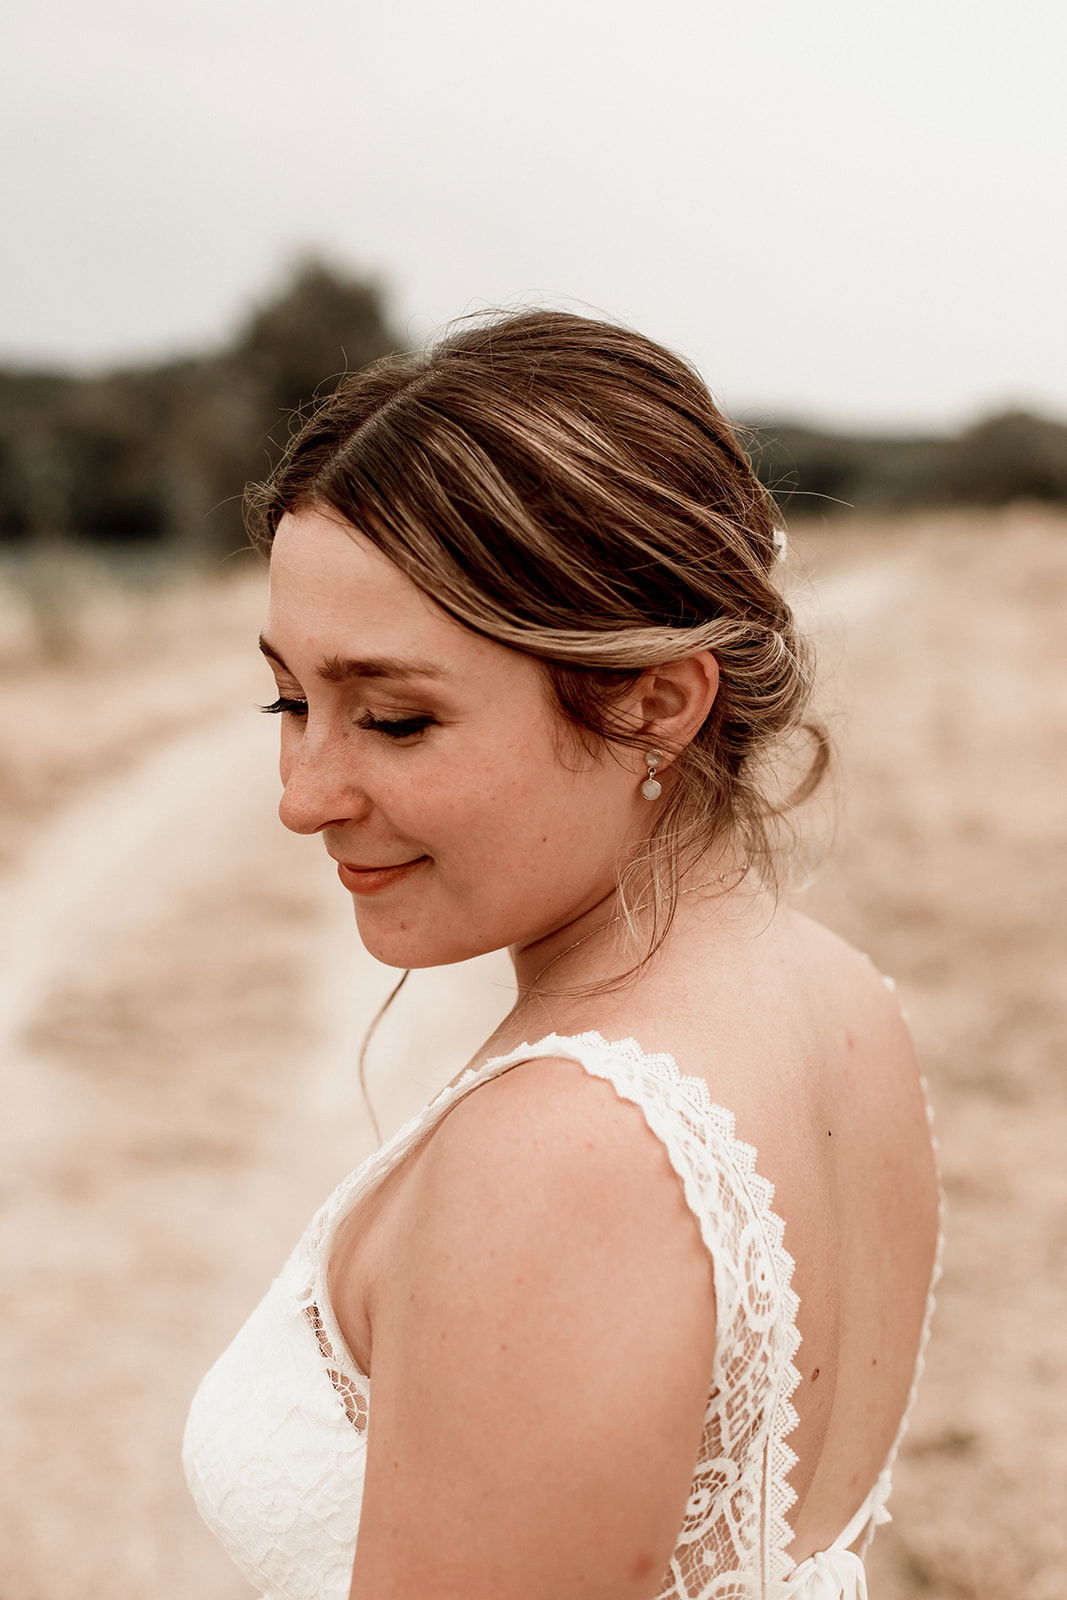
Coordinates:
[295,708]
[395,727]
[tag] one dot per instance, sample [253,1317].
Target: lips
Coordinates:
[369,880]
[387,866]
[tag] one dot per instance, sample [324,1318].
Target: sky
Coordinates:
[851,212]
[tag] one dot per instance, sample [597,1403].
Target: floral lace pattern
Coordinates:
[275,1443]
[353,1398]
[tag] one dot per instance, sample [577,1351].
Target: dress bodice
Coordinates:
[276,1438]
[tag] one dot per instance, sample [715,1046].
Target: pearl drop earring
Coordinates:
[652,788]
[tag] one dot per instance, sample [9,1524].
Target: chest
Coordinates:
[273,1457]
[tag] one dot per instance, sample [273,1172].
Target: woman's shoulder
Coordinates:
[837,953]
[537,1270]
[563,1114]
[787,989]
[548,1172]
[858,1000]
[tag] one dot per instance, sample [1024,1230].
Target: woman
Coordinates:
[531,661]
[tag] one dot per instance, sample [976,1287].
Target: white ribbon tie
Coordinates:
[828,1575]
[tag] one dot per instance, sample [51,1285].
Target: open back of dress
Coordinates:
[276,1438]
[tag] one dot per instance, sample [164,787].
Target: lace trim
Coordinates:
[355,1402]
[312,1254]
[740,1159]
[760,1192]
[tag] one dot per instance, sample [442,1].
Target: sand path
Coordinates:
[181,999]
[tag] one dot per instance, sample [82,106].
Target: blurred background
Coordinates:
[851,218]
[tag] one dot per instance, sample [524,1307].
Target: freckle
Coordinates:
[874,1361]
[815,1374]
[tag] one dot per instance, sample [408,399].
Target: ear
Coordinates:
[671,702]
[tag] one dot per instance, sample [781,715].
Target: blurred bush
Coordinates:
[1015,456]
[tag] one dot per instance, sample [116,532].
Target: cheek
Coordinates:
[515,816]
[479,809]
[289,737]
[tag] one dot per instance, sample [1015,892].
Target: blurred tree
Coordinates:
[323,325]
[161,453]
[33,411]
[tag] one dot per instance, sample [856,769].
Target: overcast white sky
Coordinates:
[851,210]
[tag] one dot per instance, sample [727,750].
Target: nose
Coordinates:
[318,788]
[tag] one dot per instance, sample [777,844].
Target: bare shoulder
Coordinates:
[548,1151]
[544,1263]
[551,1105]
[853,973]
[872,1079]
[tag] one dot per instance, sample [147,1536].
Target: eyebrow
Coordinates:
[343,669]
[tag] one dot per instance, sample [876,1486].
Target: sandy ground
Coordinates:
[182,993]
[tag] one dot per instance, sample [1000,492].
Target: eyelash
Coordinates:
[393,727]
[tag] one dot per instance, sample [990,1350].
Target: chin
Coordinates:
[404,948]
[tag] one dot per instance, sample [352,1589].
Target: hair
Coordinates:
[570,489]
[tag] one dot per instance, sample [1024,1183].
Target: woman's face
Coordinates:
[407,739]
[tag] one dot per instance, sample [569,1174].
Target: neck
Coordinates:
[591,947]
[529,960]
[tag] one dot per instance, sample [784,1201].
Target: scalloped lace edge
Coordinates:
[743,1156]
[760,1191]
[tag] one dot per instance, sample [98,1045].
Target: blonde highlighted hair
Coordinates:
[569,488]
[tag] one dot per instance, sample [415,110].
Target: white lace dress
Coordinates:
[275,1442]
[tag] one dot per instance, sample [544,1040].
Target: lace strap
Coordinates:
[750,1411]
[716,1169]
